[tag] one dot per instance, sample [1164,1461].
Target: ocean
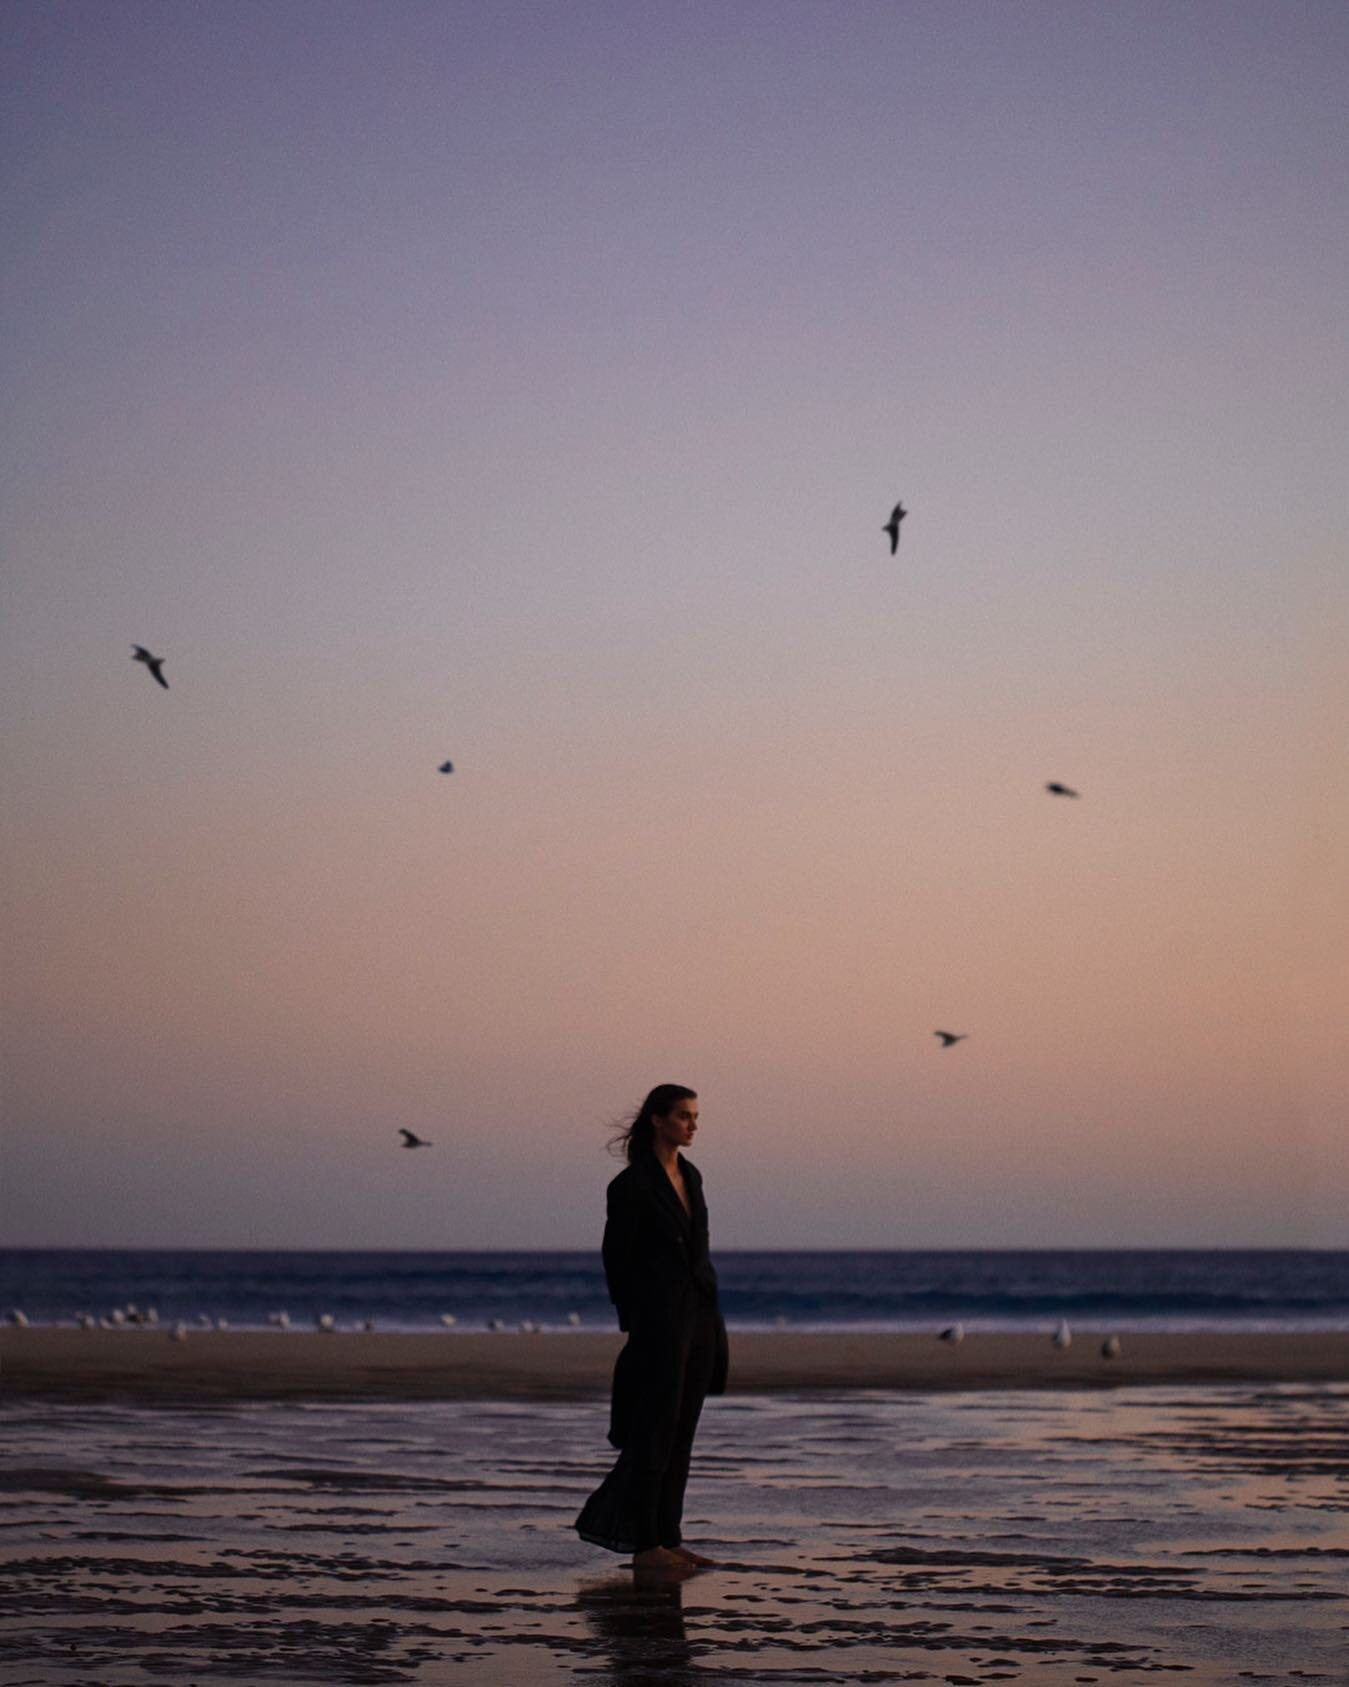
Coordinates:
[1143,1289]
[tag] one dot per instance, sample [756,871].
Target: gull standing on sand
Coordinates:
[154,663]
[412,1140]
[949,1038]
[892,526]
[1110,1348]
[1063,1336]
[953,1335]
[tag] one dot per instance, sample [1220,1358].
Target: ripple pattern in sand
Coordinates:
[1195,1534]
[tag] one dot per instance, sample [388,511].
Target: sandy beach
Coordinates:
[1044,1539]
[397,1508]
[271,1365]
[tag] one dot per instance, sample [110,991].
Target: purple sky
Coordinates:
[527,384]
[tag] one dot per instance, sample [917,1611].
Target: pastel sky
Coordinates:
[527,384]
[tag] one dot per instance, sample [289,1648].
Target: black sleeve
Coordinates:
[620,1235]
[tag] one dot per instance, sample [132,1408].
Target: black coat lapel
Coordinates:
[664,1191]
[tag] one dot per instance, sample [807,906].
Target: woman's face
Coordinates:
[678,1125]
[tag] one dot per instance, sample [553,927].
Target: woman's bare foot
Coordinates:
[658,1558]
[694,1557]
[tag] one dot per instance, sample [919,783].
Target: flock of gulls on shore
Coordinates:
[131,1317]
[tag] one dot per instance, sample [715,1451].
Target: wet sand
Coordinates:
[1045,1539]
[275,1365]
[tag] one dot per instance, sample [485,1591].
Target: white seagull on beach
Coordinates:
[953,1335]
[1110,1348]
[1063,1336]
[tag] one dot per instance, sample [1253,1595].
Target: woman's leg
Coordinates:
[674,1479]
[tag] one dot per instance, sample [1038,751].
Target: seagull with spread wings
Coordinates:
[412,1140]
[154,663]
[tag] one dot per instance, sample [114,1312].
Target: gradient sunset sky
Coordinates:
[527,384]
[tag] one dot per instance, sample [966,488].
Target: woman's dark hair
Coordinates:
[635,1135]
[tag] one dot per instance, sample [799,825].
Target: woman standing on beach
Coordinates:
[662,1282]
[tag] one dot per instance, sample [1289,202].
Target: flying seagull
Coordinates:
[446,767]
[892,526]
[950,1037]
[1057,790]
[154,663]
[412,1140]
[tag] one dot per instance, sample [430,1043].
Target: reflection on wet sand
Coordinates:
[1043,1539]
[638,1622]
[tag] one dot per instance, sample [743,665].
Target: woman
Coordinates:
[663,1284]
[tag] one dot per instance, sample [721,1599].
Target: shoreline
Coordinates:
[223,1366]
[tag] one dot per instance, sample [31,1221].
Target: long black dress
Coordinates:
[665,1288]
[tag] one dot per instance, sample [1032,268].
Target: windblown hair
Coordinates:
[635,1135]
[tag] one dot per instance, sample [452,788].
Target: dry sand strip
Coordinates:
[229,1365]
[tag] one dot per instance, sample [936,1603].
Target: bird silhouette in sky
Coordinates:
[949,1038]
[1057,790]
[446,767]
[154,663]
[892,526]
[412,1140]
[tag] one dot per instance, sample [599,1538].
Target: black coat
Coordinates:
[662,1282]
